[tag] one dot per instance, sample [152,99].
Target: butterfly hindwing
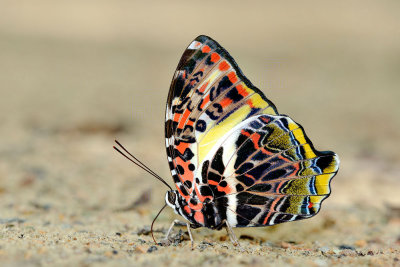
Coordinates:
[271,172]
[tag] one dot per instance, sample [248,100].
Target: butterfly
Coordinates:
[234,159]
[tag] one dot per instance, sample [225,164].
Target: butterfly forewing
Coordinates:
[208,95]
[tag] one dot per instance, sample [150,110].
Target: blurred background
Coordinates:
[75,75]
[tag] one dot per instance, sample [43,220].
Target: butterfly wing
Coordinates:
[208,95]
[226,143]
[266,171]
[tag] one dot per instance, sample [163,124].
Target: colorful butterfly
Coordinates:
[235,161]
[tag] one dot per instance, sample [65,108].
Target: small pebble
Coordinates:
[151,249]
[140,249]
[246,237]
[347,247]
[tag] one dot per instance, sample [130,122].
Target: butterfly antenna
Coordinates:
[138,163]
[152,223]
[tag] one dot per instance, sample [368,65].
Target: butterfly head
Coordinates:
[176,202]
[170,197]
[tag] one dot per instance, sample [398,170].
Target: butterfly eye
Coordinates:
[171,197]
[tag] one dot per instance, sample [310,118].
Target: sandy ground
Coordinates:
[75,75]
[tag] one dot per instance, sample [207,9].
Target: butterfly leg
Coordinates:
[170,228]
[166,240]
[177,222]
[232,235]
[190,235]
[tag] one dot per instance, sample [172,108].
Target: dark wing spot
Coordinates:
[214,111]
[188,184]
[171,165]
[201,126]
[224,84]
[180,169]
[213,176]
[223,184]
[234,95]
[205,191]
[204,176]
[183,190]
[217,163]
[239,187]
[176,179]
[191,167]
[324,162]
[245,150]
[274,175]
[245,179]
[168,129]
[186,156]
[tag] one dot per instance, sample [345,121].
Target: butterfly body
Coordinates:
[207,216]
[233,158]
